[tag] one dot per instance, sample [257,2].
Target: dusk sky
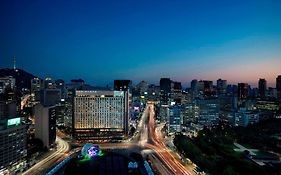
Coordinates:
[100,41]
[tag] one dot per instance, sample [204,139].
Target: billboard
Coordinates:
[13,121]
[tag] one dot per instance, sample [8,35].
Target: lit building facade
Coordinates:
[100,115]
[208,111]
[36,85]
[7,82]
[175,118]
[244,117]
[12,137]
[12,144]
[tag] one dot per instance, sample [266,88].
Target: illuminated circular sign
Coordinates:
[90,150]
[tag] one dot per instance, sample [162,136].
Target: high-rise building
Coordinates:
[7,83]
[176,92]
[194,87]
[190,113]
[45,124]
[61,85]
[142,88]
[100,115]
[205,87]
[165,90]
[122,85]
[68,118]
[243,90]
[12,137]
[50,97]
[175,118]
[221,86]
[208,111]
[49,83]
[36,85]
[262,87]
[278,87]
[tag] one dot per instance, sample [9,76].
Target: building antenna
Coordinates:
[14,61]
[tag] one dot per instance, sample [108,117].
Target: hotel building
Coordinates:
[100,115]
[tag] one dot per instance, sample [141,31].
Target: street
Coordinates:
[46,163]
[151,138]
[147,138]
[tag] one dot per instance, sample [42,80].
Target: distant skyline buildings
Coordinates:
[96,81]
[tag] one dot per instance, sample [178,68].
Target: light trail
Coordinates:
[47,162]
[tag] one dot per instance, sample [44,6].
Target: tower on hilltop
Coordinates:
[14,62]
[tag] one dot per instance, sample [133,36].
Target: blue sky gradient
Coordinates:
[100,41]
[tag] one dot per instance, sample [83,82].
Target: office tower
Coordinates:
[50,97]
[12,137]
[165,90]
[61,85]
[100,115]
[208,111]
[221,86]
[194,87]
[205,87]
[176,92]
[7,83]
[190,113]
[126,87]
[175,119]
[60,113]
[122,85]
[278,87]
[262,87]
[36,85]
[142,88]
[243,90]
[45,124]
[49,83]
[68,118]
[61,102]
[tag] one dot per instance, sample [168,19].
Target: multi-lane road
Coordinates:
[42,166]
[151,138]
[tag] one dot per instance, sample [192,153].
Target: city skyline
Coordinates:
[103,41]
[170,87]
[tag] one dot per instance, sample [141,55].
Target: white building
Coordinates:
[100,114]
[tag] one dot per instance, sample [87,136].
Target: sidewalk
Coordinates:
[241,148]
